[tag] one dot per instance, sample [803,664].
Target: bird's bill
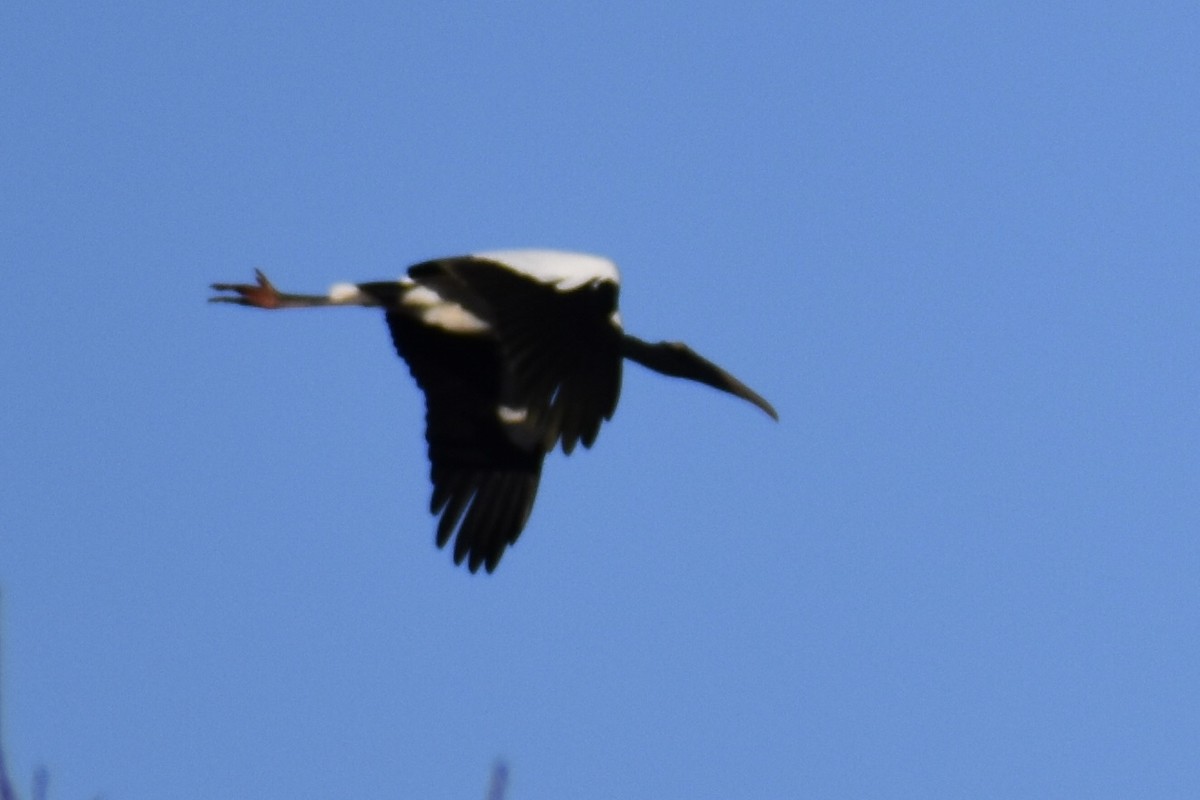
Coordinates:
[680,361]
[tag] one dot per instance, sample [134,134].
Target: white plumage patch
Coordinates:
[558,268]
[346,294]
[433,309]
[517,426]
[512,416]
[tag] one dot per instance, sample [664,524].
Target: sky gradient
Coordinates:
[954,245]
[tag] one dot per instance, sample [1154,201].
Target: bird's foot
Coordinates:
[262,294]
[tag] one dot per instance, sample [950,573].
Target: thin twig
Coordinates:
[6,790]
[499,781]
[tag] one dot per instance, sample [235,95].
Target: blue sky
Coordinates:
[954,244]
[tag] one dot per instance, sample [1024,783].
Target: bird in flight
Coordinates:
[516,351]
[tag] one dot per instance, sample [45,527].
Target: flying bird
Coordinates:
[516,352]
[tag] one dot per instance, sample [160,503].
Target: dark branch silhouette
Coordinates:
[6,789]
[499,782]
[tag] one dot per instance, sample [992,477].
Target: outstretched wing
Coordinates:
[484,483]
[560,347]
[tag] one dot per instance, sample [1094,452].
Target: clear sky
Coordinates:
[955,244]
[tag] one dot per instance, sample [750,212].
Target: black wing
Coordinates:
[561,349]
[484,484]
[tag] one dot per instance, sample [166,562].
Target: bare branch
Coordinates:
[499,781]
[6,790]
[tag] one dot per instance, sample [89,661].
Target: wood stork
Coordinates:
[515,351]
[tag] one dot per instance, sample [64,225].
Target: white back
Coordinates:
[559,268]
